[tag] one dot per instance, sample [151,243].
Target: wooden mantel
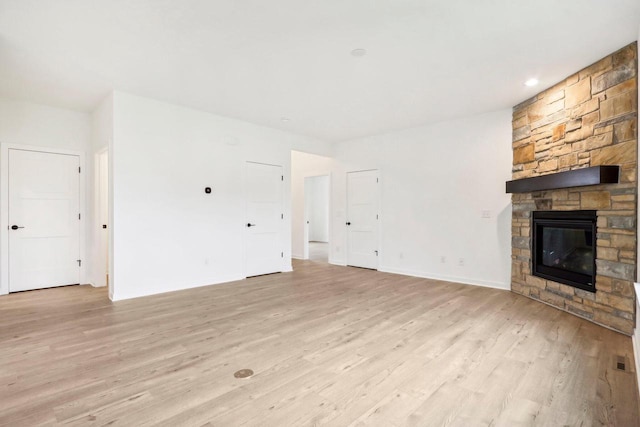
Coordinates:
[576,178]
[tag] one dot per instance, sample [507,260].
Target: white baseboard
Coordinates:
[96,286]
[434,276]
[219,281]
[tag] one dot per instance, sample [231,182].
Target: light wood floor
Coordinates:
[329,345]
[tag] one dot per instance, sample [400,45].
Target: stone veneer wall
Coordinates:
[589,119]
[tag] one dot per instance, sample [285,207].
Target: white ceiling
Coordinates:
[261,60]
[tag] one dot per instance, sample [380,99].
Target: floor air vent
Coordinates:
[621,363]
[243,373]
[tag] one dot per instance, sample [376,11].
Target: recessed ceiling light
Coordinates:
[358,53]
[285,119]
[531,82]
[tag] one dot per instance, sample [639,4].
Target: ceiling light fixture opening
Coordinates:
[358,53]
[531,82]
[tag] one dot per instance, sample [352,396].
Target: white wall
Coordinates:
[30,124]
[436,181]
[167,233]
[44,126]
[318,208]
[102,125]
[303,165]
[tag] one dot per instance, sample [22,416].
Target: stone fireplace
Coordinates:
[589,119]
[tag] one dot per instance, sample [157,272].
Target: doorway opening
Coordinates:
[316,197]
[310,206]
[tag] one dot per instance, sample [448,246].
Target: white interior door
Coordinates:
[265,217]
[362,219]
[44,206]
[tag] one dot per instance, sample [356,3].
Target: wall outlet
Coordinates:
[443,259]
[461,262]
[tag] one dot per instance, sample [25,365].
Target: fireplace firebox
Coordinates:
[564,247]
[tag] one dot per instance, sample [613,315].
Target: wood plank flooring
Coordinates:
[329,345]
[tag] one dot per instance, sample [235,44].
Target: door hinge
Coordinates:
[79,217]
[377,216]
[281,254]
[377,180]
[376,252]
[281,216]
[79,170]
[281,177]
[79,262]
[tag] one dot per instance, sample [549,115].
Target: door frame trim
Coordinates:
[4,207]
[379,220]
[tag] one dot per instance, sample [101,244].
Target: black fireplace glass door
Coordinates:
[568,248]
[564,247]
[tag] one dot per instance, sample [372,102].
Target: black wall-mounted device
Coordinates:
[207,190]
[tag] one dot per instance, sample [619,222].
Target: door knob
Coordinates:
[348,223]
[15,227]
[250,225]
